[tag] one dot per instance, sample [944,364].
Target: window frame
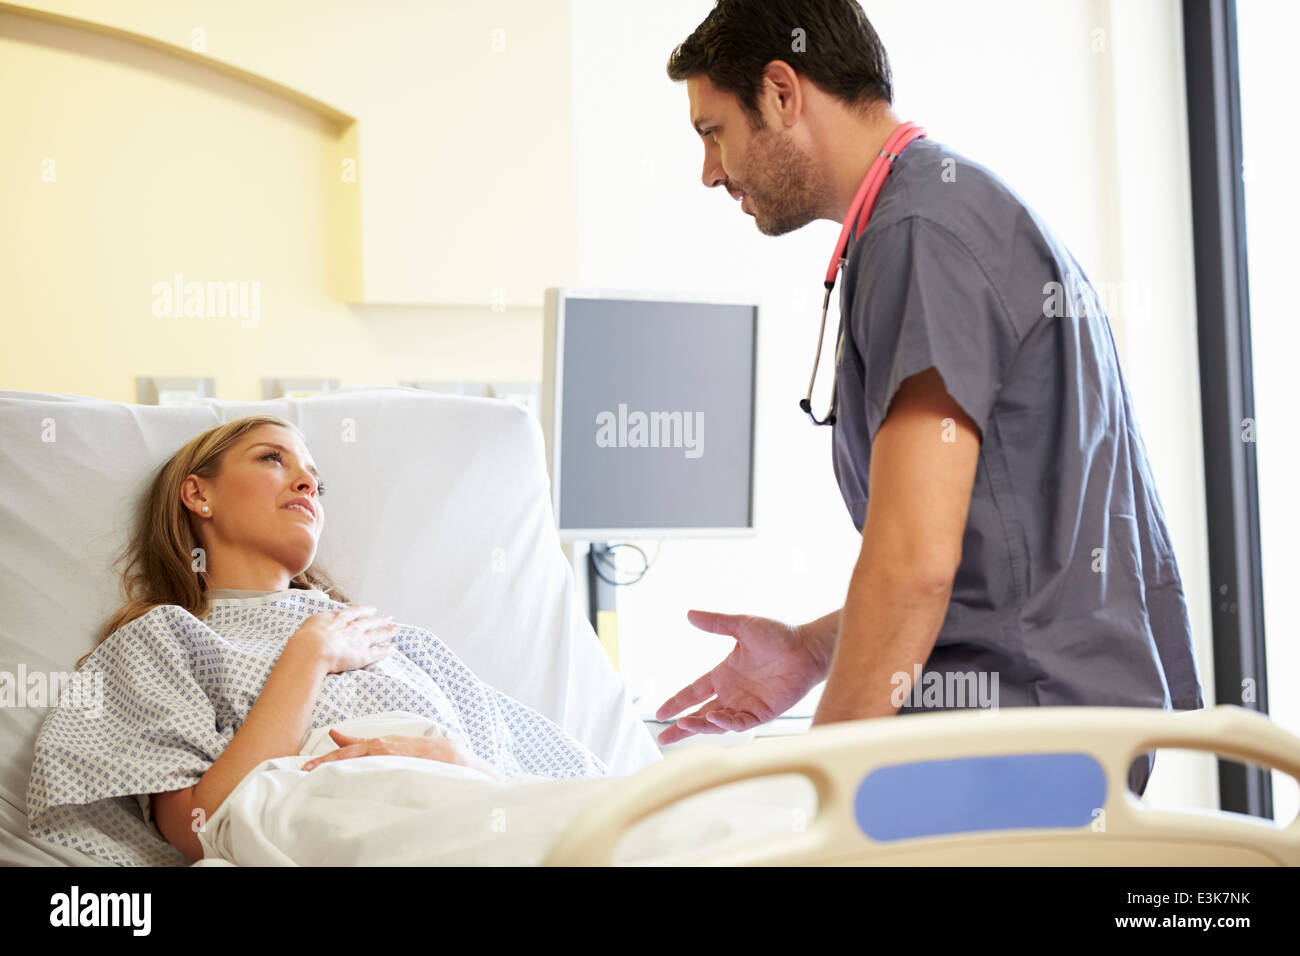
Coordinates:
[1227,381]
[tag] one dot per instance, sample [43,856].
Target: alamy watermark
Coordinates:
[1074,299]
[944,690]
[75,908]
[208,300]
[84,691]
[651,430]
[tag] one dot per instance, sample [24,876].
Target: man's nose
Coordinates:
[713,174]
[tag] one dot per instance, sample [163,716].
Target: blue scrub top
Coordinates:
[1068,588]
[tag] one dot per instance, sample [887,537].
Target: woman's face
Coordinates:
[251,534]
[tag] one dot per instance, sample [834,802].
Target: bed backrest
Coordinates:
[438,513]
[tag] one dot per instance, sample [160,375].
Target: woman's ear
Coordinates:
[191,494]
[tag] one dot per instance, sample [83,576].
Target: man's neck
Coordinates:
[852,151]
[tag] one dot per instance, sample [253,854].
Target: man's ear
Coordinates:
[782,84]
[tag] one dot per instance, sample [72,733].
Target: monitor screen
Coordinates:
[652,402]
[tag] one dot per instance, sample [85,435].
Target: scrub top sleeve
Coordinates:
[921,299]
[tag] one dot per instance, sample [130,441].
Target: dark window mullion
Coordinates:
[1227,385]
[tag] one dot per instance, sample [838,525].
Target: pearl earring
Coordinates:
[205,509]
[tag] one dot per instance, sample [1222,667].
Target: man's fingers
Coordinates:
[711,621]
[697,724]
[721,718]
[736,721]
[694,725]
[687,726]
[701,689]
[672,734]
[709,719]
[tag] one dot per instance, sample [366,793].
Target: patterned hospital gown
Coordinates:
[177,688]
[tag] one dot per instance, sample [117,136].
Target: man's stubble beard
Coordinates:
[791,187]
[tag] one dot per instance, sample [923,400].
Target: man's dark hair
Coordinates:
[838,50]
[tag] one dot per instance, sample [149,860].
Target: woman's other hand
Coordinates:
[346,639]
[446,749]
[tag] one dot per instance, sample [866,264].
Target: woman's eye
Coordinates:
[320,485]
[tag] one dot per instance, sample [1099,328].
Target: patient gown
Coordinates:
[176,688]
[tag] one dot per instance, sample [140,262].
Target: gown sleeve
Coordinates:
[145,725]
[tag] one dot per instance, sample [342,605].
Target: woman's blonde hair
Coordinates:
[160,570]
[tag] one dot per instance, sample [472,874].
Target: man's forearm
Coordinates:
[889,623]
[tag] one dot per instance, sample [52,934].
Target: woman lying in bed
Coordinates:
[234,647]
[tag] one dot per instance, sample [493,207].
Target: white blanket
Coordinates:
[409,811]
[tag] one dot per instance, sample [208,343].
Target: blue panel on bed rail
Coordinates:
[933,797]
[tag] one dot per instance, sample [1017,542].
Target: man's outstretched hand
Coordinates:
[771,668]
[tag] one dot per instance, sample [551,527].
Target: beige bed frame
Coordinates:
[837,757]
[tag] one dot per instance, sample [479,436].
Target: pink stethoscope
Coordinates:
[859,209]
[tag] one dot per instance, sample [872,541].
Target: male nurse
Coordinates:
[1014,549]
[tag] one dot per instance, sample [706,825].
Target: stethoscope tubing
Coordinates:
[863,202]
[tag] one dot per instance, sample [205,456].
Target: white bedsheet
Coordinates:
[408,811]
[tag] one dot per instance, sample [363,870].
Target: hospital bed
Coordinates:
[478,562]
[1014,787]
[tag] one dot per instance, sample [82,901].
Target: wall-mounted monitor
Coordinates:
[648,412]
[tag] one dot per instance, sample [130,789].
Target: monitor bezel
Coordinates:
[552,412]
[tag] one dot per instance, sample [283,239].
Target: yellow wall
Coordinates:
[126,163]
